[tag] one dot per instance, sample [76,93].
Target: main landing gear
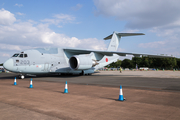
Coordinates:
[83,73]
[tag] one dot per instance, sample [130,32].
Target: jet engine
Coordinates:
[82,62]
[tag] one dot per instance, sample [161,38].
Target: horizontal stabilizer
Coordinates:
[123,35]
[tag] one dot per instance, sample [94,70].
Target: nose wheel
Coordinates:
[21,76]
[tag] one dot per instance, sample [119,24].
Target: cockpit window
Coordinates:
[21,55]
[15,55]
[25,55]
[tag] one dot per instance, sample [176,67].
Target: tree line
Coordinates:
[160,63]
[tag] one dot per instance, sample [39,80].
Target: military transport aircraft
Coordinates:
[68,60]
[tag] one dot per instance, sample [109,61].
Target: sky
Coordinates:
[28,24]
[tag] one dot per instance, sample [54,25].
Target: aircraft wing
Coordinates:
[110,53]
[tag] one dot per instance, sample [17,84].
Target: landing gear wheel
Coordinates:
[21,76]
[82,73]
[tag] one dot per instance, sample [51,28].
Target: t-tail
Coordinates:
[115,39]
[113,46]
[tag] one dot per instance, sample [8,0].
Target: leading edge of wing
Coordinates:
[86,51]
[144,55]
[110,53]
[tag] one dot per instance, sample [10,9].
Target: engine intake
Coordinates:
[81,62]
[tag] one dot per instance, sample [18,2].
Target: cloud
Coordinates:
[171,39]
[29,34]
[170,45]
[140,14]
[18,5]
[5,55]
[6,17]
[130,31]
[93,43]
[18,13]
[152,44]
[77,7]
[58,40]
[9,47]
[60,18]
[161,17]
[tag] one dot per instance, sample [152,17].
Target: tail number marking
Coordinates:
[24,62]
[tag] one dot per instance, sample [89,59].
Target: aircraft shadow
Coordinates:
[5,76]
[113,99]
[55,76]
[120,75]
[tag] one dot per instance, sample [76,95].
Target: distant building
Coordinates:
[143,68]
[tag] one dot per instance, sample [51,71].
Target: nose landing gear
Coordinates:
[21,76]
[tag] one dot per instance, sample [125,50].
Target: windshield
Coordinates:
[23,55]
[15,55]
[20,55]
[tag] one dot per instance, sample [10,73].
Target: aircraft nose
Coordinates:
[8,65]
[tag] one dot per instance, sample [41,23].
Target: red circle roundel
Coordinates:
[106,59]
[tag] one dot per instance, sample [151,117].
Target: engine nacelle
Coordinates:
[81,62]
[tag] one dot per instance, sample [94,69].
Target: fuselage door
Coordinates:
[46,67]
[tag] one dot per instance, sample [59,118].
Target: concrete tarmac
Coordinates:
[149,95]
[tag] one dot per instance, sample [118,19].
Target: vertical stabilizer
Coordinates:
[113,46]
